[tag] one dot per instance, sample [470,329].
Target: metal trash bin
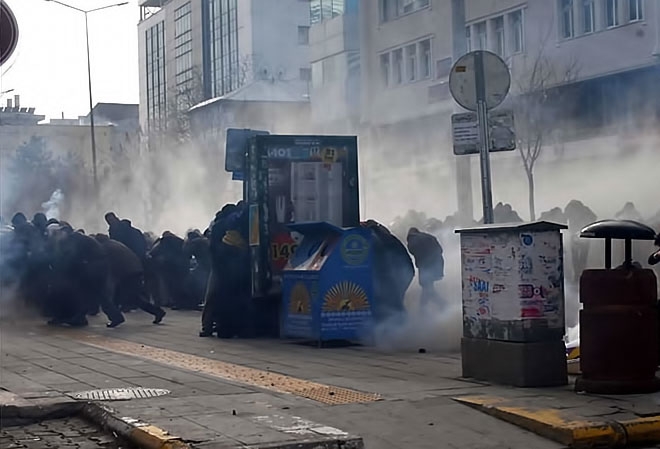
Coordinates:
[328,284]
[619,320]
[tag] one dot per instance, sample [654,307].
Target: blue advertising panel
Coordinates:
[327,287]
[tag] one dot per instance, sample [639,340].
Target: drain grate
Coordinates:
[120,394]
[326,394]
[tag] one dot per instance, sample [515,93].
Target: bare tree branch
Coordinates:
[538,104]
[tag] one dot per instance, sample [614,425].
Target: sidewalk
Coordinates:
[263,392]
[221,393]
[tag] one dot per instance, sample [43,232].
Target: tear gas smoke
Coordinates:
[52,207]
[435,327]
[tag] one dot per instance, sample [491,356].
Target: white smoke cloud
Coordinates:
[52,207]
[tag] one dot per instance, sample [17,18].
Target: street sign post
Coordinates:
[480,81]
[465,132]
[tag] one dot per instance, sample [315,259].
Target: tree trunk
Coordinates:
[530,187]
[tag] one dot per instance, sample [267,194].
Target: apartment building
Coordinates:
[406,55]
[334,40]
[195,50]
[604,51]
[601,55]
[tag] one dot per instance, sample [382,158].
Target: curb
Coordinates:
[353,443]
[143,435]
[576,433]
[18,411]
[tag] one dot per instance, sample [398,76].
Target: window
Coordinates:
[468,38]
[315,11]
[306,74]
[482,37]
[407,6]
[635,10]
[183,61]
[385,68]
[498,26]
[320,10]
[611,13]
[338,7]
[155,53]
[407,64]
[226,75]
[397,63]
[392,9]
[425,58]
[411,62]
[588,16]
[303,35]
[516,24]
[566,23]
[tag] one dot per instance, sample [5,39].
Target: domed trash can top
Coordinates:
[618,230]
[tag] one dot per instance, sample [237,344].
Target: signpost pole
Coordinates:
[484,139]
[463,164]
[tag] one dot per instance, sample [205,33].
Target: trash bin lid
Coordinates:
[530,226]
[315,228]
[617,229]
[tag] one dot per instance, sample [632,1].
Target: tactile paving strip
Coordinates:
[119,394]
[281,383]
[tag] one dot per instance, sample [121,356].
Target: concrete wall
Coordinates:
[275,46]
[336,102]
[62,140]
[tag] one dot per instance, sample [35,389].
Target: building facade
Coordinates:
[596,59]
[335,65]
[195,50]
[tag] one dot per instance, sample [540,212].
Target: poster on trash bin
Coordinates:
[513,276]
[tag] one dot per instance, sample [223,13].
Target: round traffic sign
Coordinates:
[463,80]
[8,32]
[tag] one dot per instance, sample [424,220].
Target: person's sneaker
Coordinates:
[159,316]
[205,333]
[113,324]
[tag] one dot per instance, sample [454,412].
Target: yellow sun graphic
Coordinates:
[300,301]
[345,297]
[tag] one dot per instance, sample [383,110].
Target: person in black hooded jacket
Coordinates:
[429,259]
[393,273]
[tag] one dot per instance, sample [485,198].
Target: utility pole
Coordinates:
[463,164]
[89,80]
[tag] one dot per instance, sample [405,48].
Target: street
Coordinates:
[218,395]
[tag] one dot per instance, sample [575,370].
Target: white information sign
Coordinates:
[465,132]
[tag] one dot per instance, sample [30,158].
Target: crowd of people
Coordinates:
[68,275]
[576,215]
